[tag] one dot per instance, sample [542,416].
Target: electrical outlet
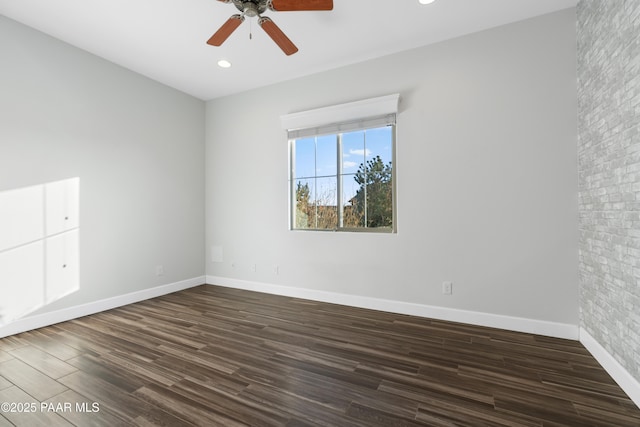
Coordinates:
[276,269]
[159,270]
[447,288]
[254,267]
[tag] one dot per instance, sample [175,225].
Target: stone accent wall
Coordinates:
[608,35]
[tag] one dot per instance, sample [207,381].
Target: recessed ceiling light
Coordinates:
[426,1]
[223,63]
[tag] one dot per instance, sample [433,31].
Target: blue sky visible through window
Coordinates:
[316,161]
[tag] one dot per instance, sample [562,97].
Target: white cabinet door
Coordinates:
[21,216]
[62,265]
[21,281]
[62,206]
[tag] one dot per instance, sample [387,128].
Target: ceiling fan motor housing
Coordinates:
[251,8]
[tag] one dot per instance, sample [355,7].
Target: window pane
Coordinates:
[367,178]
[352,216]
[378,178]
[316,206]
[349,187]
[305,158]
[379,212]
[326,203]
[353,151]
[304,212]
[354,157]
[379,143]
[326,156]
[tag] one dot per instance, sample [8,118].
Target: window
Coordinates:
[341,175]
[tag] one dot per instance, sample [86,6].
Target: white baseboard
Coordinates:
[519,324]
[620,375]
[41,320]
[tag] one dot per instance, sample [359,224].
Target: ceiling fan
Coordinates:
[253,8]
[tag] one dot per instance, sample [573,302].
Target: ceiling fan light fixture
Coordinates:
[250,9]
[426,1]
[223,63]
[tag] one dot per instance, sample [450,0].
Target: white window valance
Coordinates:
[351,116]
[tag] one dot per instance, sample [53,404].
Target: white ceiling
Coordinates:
[166,39]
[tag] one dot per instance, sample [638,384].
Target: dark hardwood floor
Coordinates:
[213,356]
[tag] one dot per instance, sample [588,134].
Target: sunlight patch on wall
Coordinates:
[39,246]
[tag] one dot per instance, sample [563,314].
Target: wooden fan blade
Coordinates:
[225,30]
[294,5]
[277,35]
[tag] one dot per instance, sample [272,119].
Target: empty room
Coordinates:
[320,213]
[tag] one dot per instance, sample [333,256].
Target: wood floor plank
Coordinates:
[142,369]
[195,371]
[113,338]
[231,405]
[376,417]
[213,356]
[202,359]
[312,355]
[43,361]
[447,390]
[29,379]
[31,417]
[611,415]
[299,407]
[311,386]
[465,412]
[533,408]
[78,340]
[581,385]
[51,343]
[4,383]
[117,377]
[174,337]
[11,343]
[4,356]
[81,411]
[124,405]
[184,408]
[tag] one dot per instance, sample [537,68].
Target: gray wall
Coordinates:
[137,147]
[609,175]
[486,162]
